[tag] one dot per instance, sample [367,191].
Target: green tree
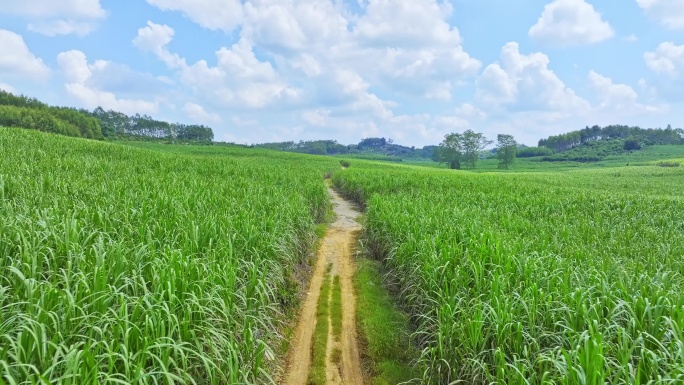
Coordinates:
[461,148]
[450,151]
[632,143]
[471,144]
[506,151]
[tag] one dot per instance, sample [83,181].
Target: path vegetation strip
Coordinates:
[336,308]
[317,374]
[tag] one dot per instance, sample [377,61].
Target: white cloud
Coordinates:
[62,27]
[7,88]
[410,47]
[50,8]
[496,86]
[312,69]
[222,15]
[288,26]
[570,22]
[468,110]
[525,82]
[631,38]
[452,123]
[78,73]
[617,97]
[17,60]
[54,18]
[668,58]
[197,113]
[154,39]
[668,12]
[405,46]
[316,117]
[122,80]
[415,24]
[238,79]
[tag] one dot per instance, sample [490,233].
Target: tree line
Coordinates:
[647,136]
[117,124]
[25,112]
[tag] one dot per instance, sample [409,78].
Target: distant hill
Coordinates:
[593,144]
[369,148]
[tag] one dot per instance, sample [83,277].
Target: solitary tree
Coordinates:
[506,150]
[472,143]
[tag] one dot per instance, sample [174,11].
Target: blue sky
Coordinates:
[411,70]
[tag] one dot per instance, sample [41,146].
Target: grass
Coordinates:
[154,264]
[317,374]
[388,352]
[336,308]
[336,356]
[533,278]
[174,264]
[320,230]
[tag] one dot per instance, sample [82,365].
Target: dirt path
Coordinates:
[336,250]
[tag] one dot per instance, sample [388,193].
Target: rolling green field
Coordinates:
[125,265]
[533,278]
[150,263]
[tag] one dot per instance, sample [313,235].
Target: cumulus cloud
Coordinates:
[17,60]
[570,22]
[197,113]
[631,38]
[7,88]
[222,15]
[326,69]
[154,39]
[616,97]
[317,117]
[411,48]
[668,58]
[78,72]
[413,24]
[50,8]
[468,110]
[404,46]
[238,79]
[54,18]
[291,27]
[62,27]
[407,46]
[525,82]
[122,80]
[670,13]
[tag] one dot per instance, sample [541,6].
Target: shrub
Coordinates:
[530,152]
[632,144]
[668,164]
